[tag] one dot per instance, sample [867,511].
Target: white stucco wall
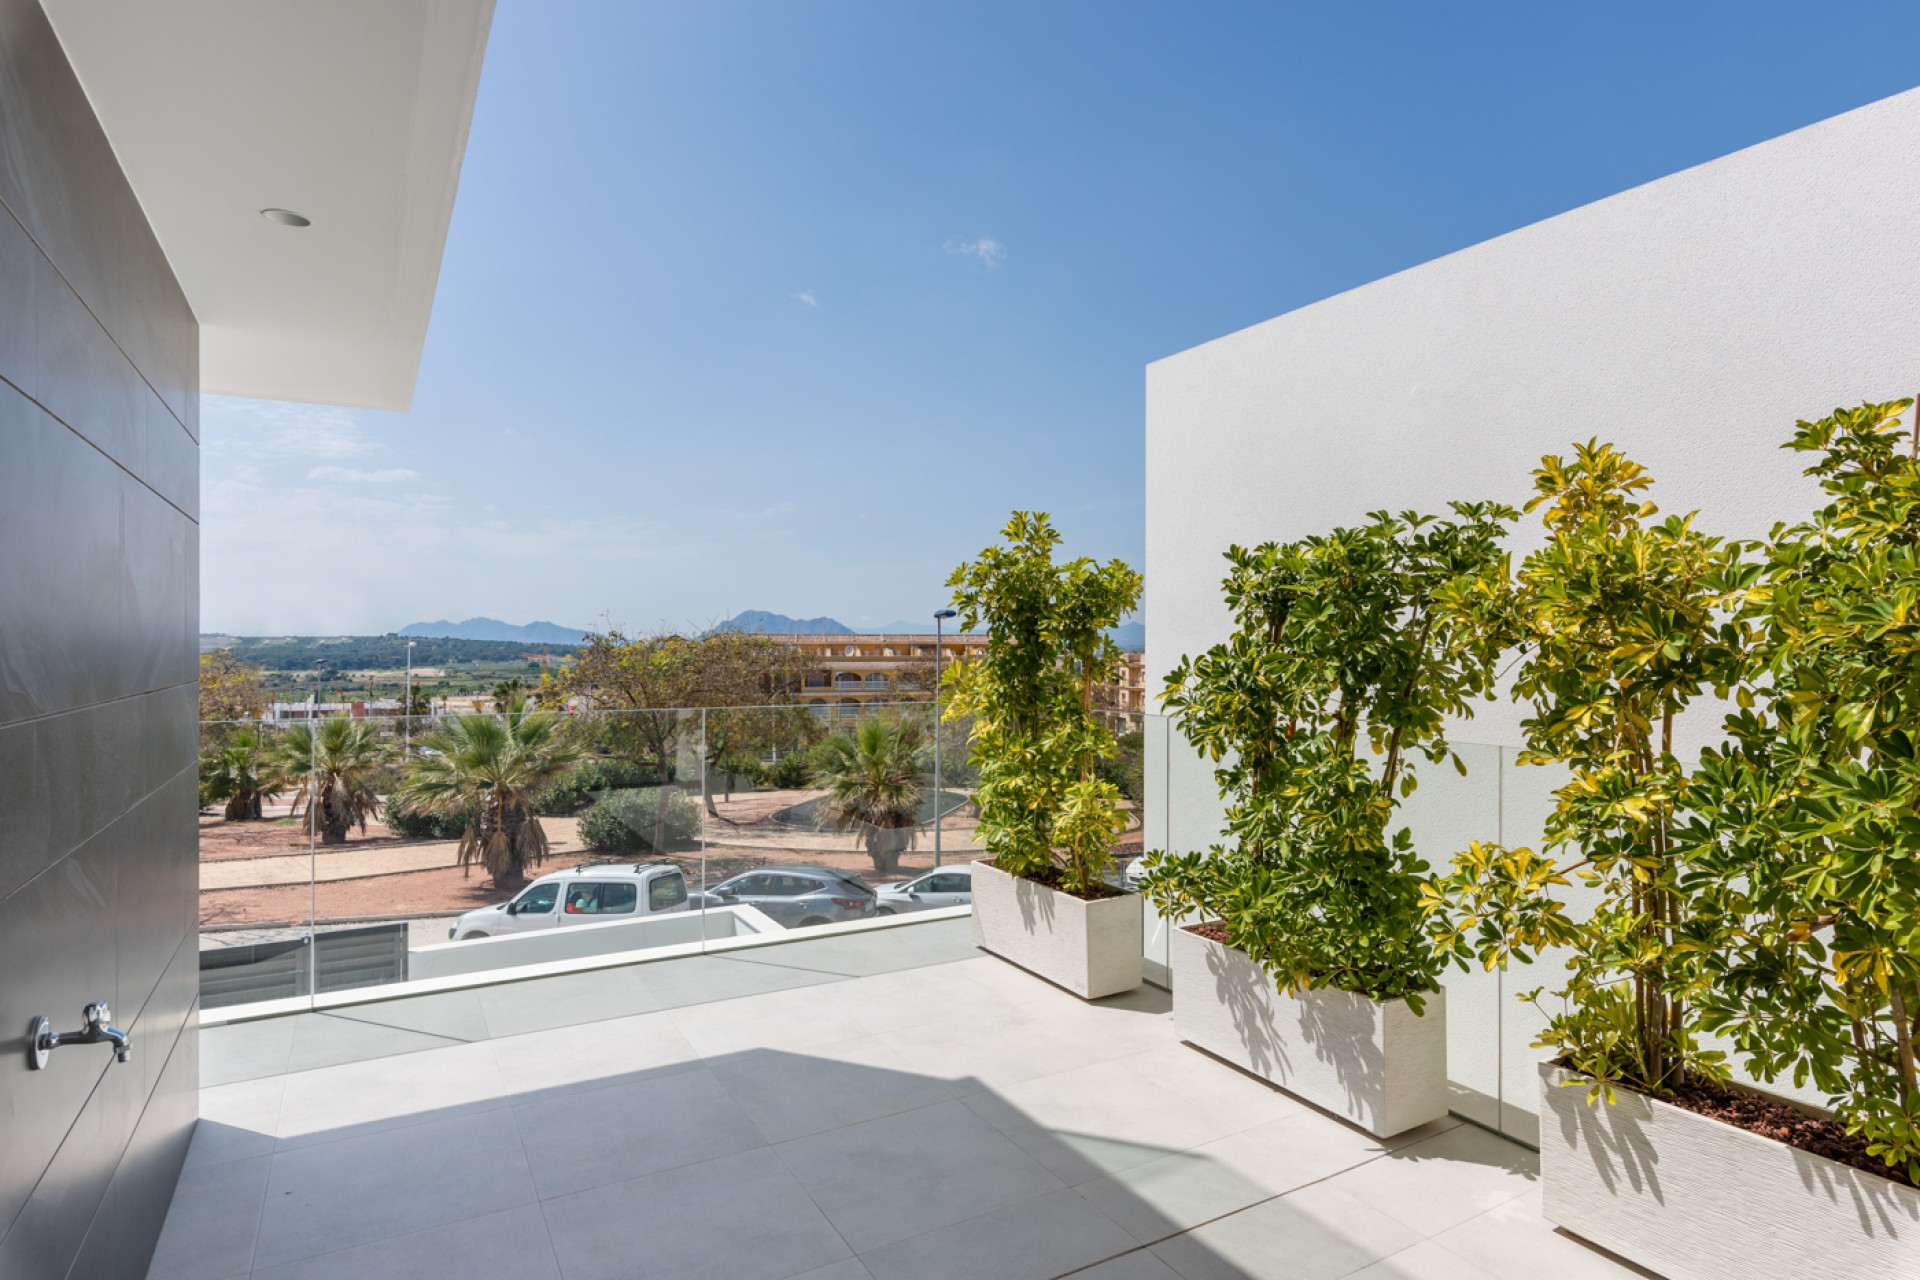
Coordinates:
[1691,321]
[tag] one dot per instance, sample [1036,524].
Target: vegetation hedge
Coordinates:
[790,771]
[623,821]
[403,820]
[574,790]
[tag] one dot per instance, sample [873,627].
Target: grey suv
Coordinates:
[795,896]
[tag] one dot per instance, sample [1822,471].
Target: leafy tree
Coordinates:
[491,768]
[332,765]
[1806,844]
[1036,734]
[749,695]
[872,776]
[229,688]
[511,694]
[649,684]
[1621,622]
[1344,650]
[240,774]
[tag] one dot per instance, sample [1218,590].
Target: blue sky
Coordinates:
[787,305]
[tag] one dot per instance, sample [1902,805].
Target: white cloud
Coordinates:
[807,298]
[267,427]
[990,251]
[354,475]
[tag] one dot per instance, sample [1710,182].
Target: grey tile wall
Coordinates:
[99,615]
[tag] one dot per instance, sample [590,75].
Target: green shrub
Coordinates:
[414,825]
[623,821]
[790,771]
[575,790]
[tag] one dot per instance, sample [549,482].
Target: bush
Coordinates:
[623,821]
[415,825]
[575,790]
[790,771]
[1127,770]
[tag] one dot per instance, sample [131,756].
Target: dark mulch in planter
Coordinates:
[1212,931]
[1052,880]
[1783,1123]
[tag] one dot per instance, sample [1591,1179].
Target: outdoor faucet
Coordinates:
[97,1016]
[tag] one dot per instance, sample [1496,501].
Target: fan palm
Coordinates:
[872,779]
[490,768]
[241,774]
[333,766]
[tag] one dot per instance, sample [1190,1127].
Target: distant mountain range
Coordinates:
[779,624]
[1131,636]
[494,629]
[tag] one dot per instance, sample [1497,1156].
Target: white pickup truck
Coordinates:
[593,892]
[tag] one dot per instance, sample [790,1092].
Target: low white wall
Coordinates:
[584,941]
[1691,321]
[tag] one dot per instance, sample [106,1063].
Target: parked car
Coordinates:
[795,896]
[580,895]
[942,887]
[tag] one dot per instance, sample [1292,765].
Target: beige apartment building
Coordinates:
[841,674]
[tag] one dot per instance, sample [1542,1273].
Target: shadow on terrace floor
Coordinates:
[956,1119]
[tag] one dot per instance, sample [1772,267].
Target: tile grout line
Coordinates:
[365,1022]
[533,1184]
[1219,1217]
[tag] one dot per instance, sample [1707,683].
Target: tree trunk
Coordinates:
[660,806]
[885,846]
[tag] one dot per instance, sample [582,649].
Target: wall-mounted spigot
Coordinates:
[96,1031]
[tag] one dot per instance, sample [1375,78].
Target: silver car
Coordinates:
[942,887]
[795,896]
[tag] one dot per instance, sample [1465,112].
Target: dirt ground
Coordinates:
[741,838]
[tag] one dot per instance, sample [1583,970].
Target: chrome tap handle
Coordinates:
[97,1029]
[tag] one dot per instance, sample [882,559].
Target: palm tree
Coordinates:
[333,766]
[242,774]
[872,778]
[490,767]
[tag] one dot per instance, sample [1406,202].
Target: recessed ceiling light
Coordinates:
[286,218]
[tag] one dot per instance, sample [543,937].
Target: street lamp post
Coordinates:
[939,634]
[406,708]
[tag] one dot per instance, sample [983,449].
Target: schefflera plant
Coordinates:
[1036,733]
[1621,621]
[1807,839]
[1342,668]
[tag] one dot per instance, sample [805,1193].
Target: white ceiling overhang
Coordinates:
[353,113]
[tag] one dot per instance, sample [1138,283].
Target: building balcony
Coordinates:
[887,1103]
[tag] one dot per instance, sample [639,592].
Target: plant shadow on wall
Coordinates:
[1343,649]
[1768,893]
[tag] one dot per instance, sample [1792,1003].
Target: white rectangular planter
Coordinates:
[1090,948]
[1380,1065]
[1697,1199]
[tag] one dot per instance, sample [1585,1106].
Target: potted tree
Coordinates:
[1305,962]
[1765,894]
[1042,899]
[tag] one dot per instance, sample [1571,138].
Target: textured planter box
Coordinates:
[1696,1199]
[1090,948]
[1381,1066]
